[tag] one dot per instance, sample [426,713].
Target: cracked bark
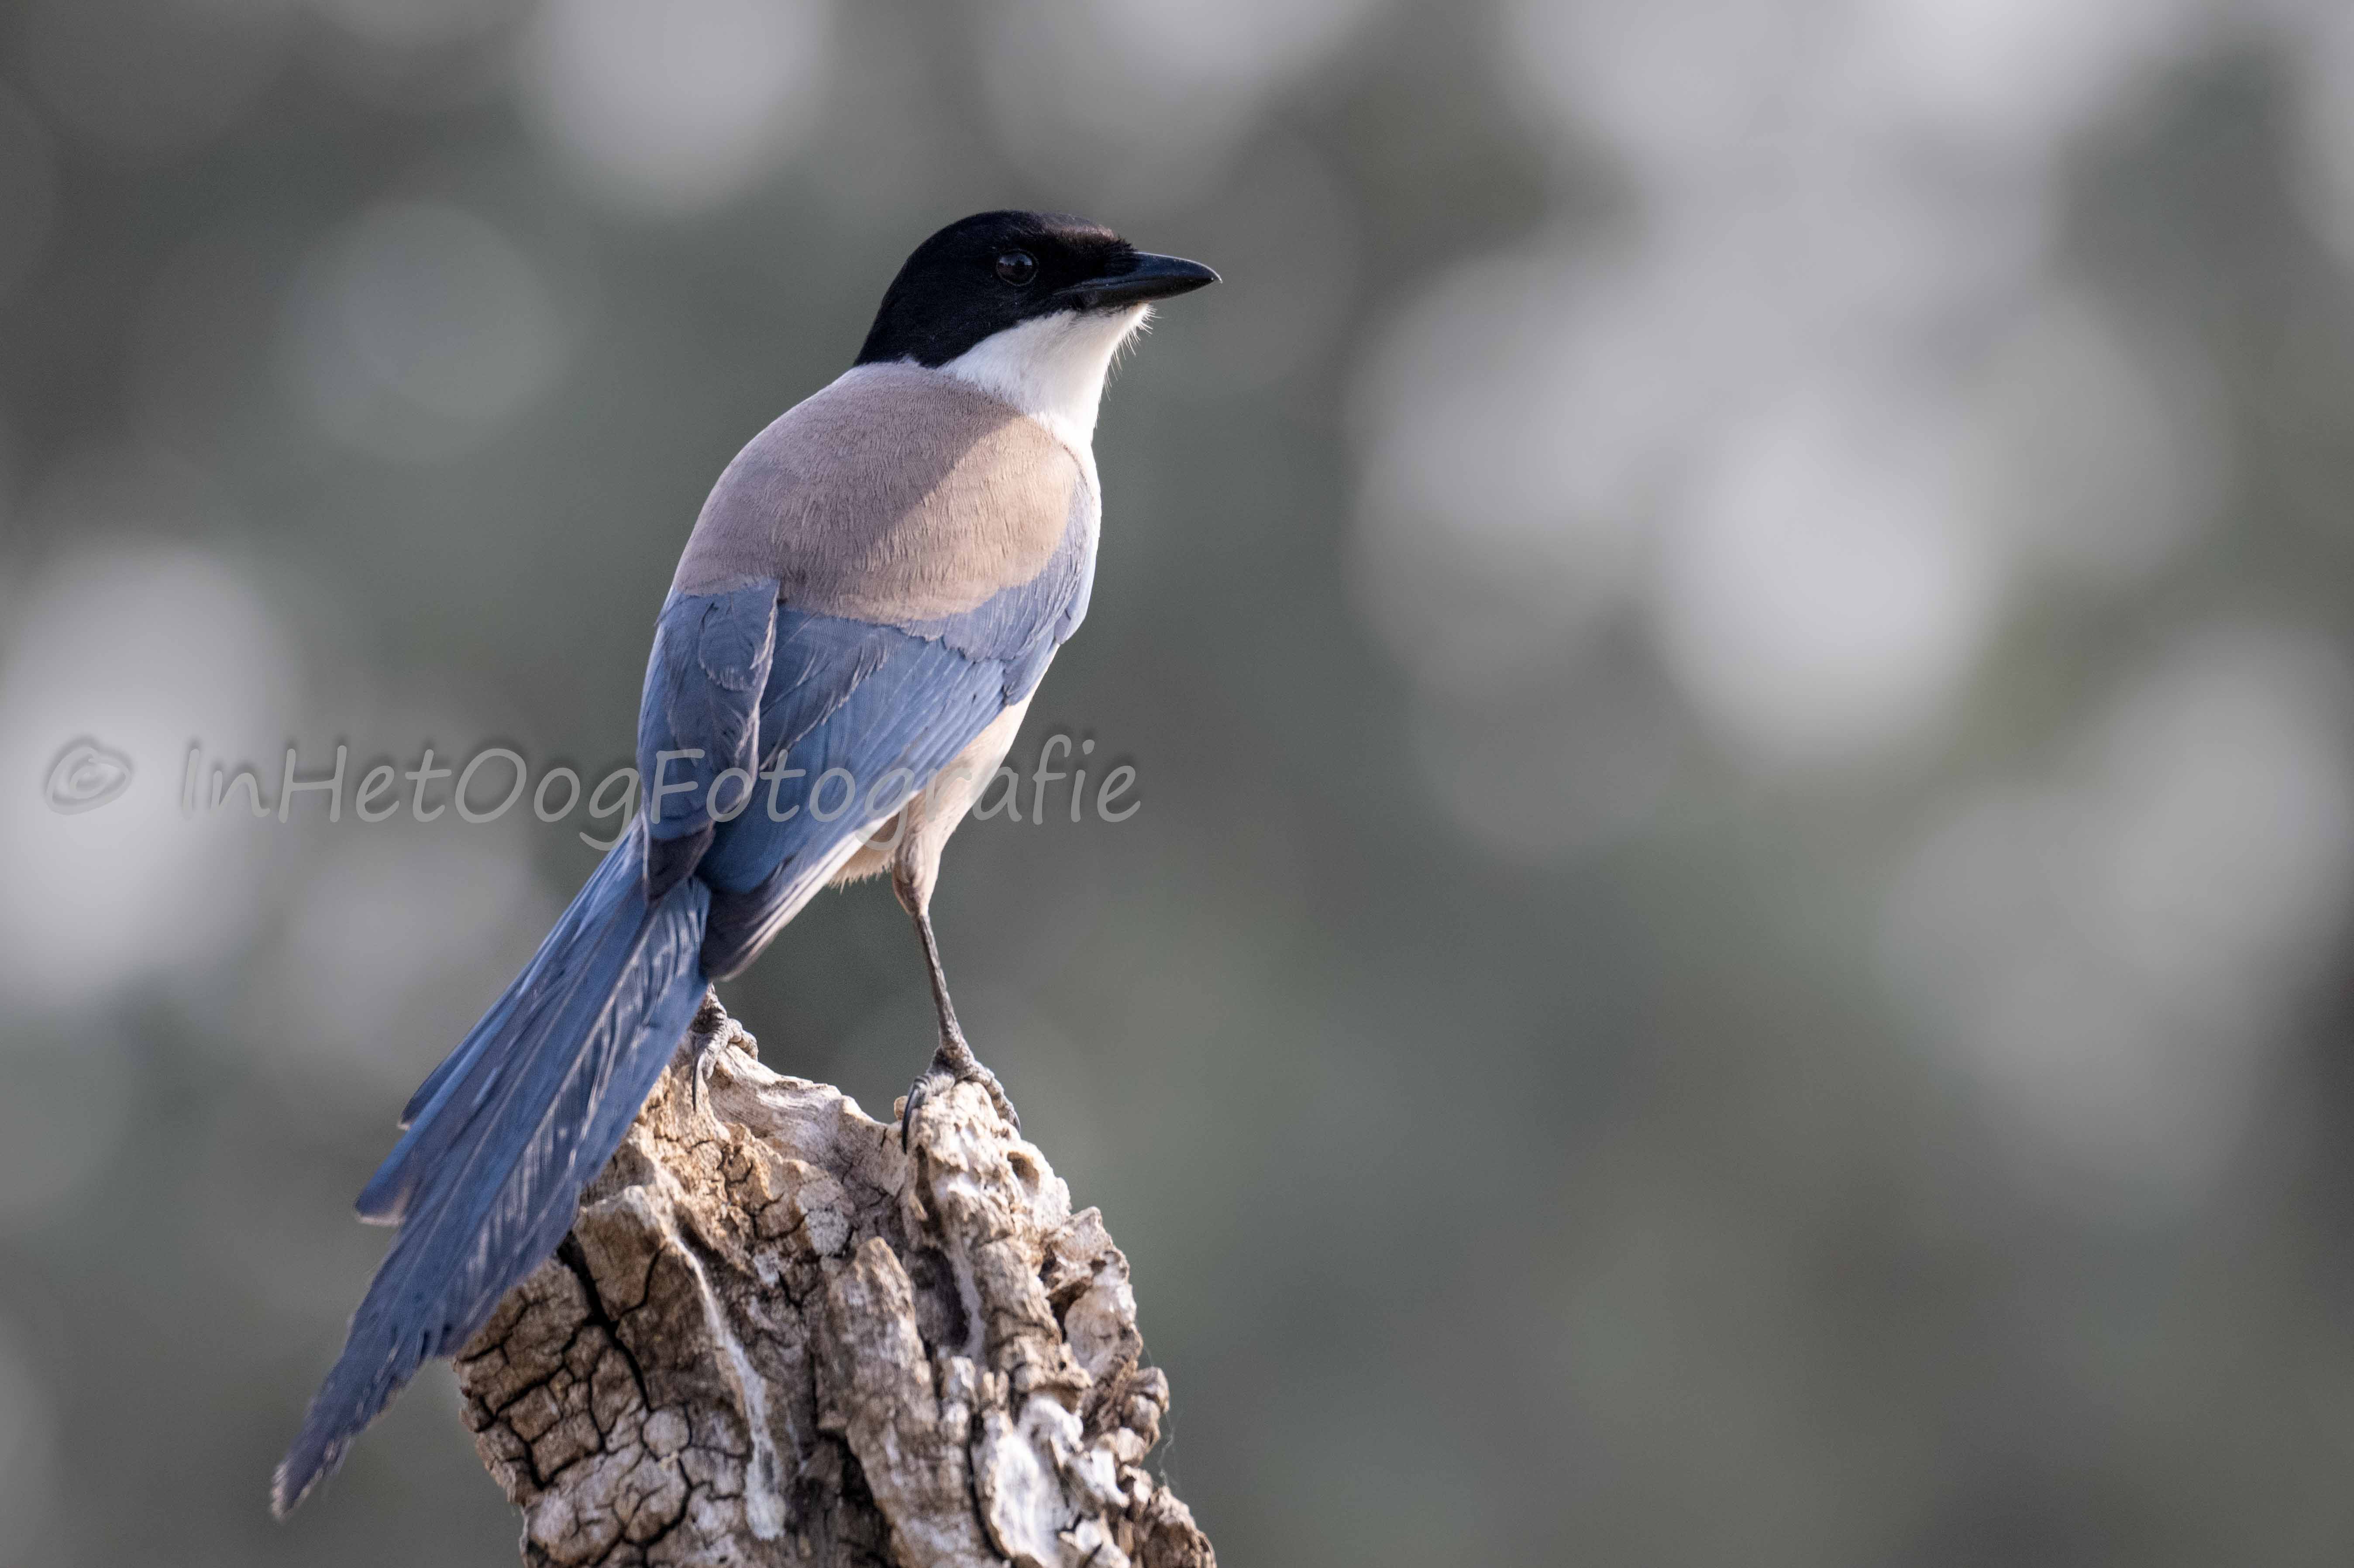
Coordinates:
[772,1337]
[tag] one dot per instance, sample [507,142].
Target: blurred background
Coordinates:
[1733,626]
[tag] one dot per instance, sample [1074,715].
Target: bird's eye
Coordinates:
[1017,267]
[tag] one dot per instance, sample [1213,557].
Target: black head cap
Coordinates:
[995,270]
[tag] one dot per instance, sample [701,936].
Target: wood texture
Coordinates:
[773,1338]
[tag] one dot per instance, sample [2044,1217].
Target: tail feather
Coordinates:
[532,987]
[508,1130]
[545,1002]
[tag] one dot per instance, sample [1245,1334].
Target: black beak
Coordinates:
[1148,277]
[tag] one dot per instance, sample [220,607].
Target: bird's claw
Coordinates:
[710,1031]
[940,1074]
[707,1057]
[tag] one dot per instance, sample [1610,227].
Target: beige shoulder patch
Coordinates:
[898,494]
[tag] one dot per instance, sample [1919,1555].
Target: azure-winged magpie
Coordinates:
[874,588]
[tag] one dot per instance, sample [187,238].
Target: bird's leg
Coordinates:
[953,1061]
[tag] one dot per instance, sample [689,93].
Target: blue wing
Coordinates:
[887,705]
[696,718]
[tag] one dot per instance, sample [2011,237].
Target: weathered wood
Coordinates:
[773,1338]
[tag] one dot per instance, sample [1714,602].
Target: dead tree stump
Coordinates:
[772,1337]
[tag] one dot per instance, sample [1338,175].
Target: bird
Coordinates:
[864,610]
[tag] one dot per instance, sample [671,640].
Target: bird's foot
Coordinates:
[711,1033]
[954,1063]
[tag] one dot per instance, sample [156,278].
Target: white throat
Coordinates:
[1052,368]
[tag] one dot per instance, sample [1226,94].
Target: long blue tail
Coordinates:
[506,1133]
